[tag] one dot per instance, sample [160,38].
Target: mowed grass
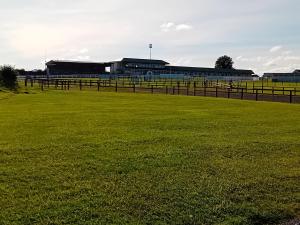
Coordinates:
[111,158]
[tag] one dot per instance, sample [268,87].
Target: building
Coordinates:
[284,77]
[57,67]
[147,67]
[144,68]
[255,77]
[132,66]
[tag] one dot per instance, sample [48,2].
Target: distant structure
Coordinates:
[144,68]
[284,77]
[25,73]
[60,67]
[131,66]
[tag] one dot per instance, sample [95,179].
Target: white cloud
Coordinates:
[183,61]
[83,51]
[181,27]
[167,26]
[281,61]
[287,52]
[34,40]
[270,63]
[83,57]
[255,59]
[275,48]
[170,26]
[292,58]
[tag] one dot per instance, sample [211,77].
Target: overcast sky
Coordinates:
[263,35]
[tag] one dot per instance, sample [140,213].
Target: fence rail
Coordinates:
[174,88]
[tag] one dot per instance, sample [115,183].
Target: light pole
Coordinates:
[150,48]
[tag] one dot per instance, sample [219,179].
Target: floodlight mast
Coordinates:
[150,47]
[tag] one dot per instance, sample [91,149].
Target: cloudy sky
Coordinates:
[263,35]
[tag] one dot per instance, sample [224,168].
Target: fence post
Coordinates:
[291,96]
[242,94]
[26,82]
[167,90]
[173,90]
[116,86]
[187,90]
[256,95]
[217,94]
[228,92]
[98,85]
[205,90]
[62,85]
[133,87]
[42,85]
[151,88]
[80,85]
[178,87]
[31,82]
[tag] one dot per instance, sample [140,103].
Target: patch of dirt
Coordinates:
[292,222]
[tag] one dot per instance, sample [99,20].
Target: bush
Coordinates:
[8,77]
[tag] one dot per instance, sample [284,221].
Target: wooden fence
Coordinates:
[176,88]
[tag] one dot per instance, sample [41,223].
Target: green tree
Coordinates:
[224,62]
[8,77]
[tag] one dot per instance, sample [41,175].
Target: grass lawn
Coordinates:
[269,84]
[112,158]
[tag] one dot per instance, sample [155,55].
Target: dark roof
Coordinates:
[203,69]
[55,62]
[152,61]
[295,73]
[282,74]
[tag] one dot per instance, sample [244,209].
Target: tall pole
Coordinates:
[150,47]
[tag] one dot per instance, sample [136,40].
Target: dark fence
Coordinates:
[176,88]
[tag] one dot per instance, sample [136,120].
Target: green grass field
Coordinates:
[111,158]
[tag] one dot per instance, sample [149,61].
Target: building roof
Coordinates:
[281,74]
[295,73]
[55,62]
[204,69]
[148,61]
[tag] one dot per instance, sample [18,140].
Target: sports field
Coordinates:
[122,158]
